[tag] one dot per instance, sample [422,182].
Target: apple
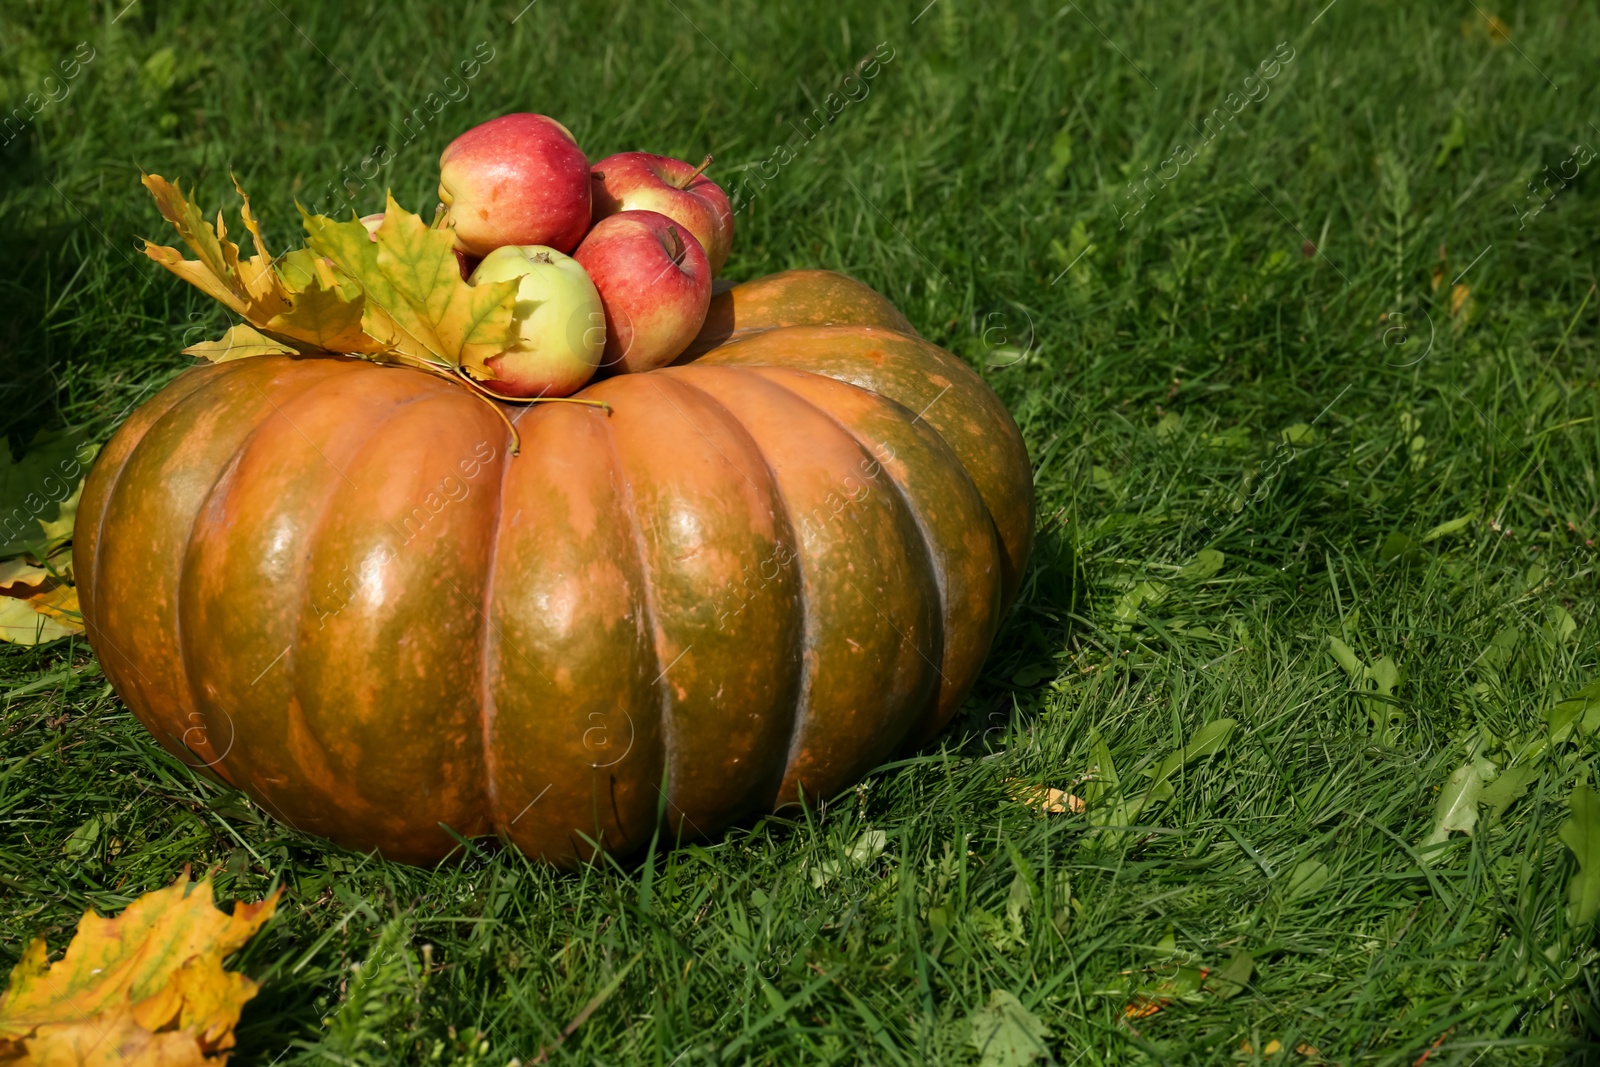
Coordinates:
[643,181]
[655,286]
[515,180]
[563,334]
[464,262]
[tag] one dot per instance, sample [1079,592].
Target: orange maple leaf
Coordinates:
[146,989]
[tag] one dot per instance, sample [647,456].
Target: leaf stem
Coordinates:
[488,396]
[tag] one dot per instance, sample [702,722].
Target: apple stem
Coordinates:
[701,169]
[677,250]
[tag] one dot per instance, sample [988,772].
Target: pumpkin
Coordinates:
[769,567]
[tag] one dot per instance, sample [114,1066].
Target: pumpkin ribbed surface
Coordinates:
[767,569]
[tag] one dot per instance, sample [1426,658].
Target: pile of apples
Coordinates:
[616,258]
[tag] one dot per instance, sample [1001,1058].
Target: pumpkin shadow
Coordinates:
[37,270]
[1025,653]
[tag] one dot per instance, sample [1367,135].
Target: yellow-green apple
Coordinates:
[643,181]
[655,285]
[562,332]
[516,180]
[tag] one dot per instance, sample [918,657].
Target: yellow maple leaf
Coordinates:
[40,617]
[304,310]
[1045,799]
[416,299]
[146,989]
[322,316]
[17,573]
[60,531]
[250,288]
[238,343]
[38,602]
[393,296]
[60,604]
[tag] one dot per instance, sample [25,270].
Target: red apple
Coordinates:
[655,285]
[642,181]
[516,180]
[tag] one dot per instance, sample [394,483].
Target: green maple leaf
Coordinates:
[416,300]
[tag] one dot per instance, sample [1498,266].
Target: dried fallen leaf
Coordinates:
[1044,799]
[308,309]
[392,295]
[146,989]
[59,532]
[38,602]
[61,604]
[42,617]
[17,575]
[1143,1007]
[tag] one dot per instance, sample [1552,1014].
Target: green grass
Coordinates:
[1153,376]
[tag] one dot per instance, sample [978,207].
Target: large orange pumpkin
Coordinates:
[768,568]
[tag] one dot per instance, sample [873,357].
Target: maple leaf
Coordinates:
[251,288]
[38,602]
[16,573]
[306,307]
[416,300]
[1046,799]
[59,531]
[393,296]
[30,487]
[40,617]
[323,317]
[238,343]
[145,988]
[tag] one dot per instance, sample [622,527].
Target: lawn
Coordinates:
[1295,306]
